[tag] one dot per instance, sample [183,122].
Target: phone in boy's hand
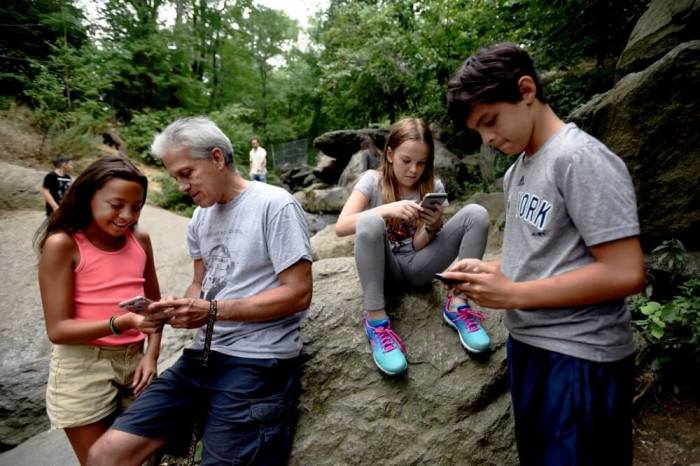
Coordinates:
[447,281]
[431,200]
[137,304]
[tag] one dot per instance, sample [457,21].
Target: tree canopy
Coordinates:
[366,62]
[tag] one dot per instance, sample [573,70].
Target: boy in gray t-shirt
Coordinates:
[571,254]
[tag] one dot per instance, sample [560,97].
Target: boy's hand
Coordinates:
[483,283]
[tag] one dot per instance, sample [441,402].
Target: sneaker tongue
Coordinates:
[378,322]
[462,307]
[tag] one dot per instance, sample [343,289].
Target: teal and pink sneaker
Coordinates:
[467,322]
[388,351]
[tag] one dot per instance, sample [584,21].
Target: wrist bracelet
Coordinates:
[112,326]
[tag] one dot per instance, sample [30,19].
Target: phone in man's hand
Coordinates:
[431,200]
[137,304]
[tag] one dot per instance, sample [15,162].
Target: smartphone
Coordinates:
[447,281]
[430,200]
[137,304]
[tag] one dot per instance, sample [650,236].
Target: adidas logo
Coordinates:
[522,181]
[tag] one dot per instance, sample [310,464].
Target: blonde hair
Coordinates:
[406,129]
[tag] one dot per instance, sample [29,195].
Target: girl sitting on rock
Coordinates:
[400,243]
[92,258]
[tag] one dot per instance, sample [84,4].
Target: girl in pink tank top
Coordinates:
[91,259]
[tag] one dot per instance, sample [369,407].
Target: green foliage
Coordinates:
[139,133]
[171,198]
[672,327]
[569,90]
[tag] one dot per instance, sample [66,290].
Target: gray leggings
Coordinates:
[463,236]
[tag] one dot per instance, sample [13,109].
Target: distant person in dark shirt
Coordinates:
[56,182]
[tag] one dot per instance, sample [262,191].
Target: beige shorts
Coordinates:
[88,383]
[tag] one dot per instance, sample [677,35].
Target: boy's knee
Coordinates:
[369,225]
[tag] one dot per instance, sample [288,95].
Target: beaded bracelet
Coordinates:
[112,326]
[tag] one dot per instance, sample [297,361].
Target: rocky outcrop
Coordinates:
[20,188]
[322,200]
[651,120]
[663,26]
[342,144]
[326,244]
[449,408]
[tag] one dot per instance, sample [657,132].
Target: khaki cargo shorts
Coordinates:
[89,383]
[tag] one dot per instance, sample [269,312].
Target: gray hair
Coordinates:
[199,135]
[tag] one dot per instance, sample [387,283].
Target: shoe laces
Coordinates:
[388,337]
[471,318]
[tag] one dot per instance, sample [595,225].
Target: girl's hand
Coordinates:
[402,210]
[145,372]
[432,217]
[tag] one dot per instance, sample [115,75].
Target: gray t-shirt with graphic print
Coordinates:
[571,194]
[245,244]
[402,239]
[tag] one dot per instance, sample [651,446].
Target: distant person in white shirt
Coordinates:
[258,162]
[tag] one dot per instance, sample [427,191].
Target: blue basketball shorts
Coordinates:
[570,411]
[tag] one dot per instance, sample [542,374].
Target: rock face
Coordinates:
[322,200]
[663,26]
[651,120]
[20,188]
[342,144]
[326,244]
[449,408]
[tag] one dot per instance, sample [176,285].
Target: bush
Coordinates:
[171,198]
[669,319]
[139,133]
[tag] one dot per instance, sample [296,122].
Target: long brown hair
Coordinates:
[74,212]
[406,129]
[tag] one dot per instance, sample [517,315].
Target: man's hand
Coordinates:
[483,283]
[180,312]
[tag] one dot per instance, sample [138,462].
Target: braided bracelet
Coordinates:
[209,333]
[112,326]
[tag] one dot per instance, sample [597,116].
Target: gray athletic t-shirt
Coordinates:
[402,238]
[245,244]
[571,194]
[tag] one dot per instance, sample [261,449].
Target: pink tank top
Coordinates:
[105,278]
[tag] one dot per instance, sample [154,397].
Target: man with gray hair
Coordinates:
[250,289]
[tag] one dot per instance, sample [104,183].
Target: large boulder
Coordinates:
[342,144]
[353,170]
[651,120]
[326,244]
[663,26]
[327,169]
[20,187]
[322,200]
[495,204]
[449,408]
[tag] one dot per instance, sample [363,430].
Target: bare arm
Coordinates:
[49,198]
[291,296]
[56,283]
[151,290]
[356,203]
[618,271]
[347,220]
